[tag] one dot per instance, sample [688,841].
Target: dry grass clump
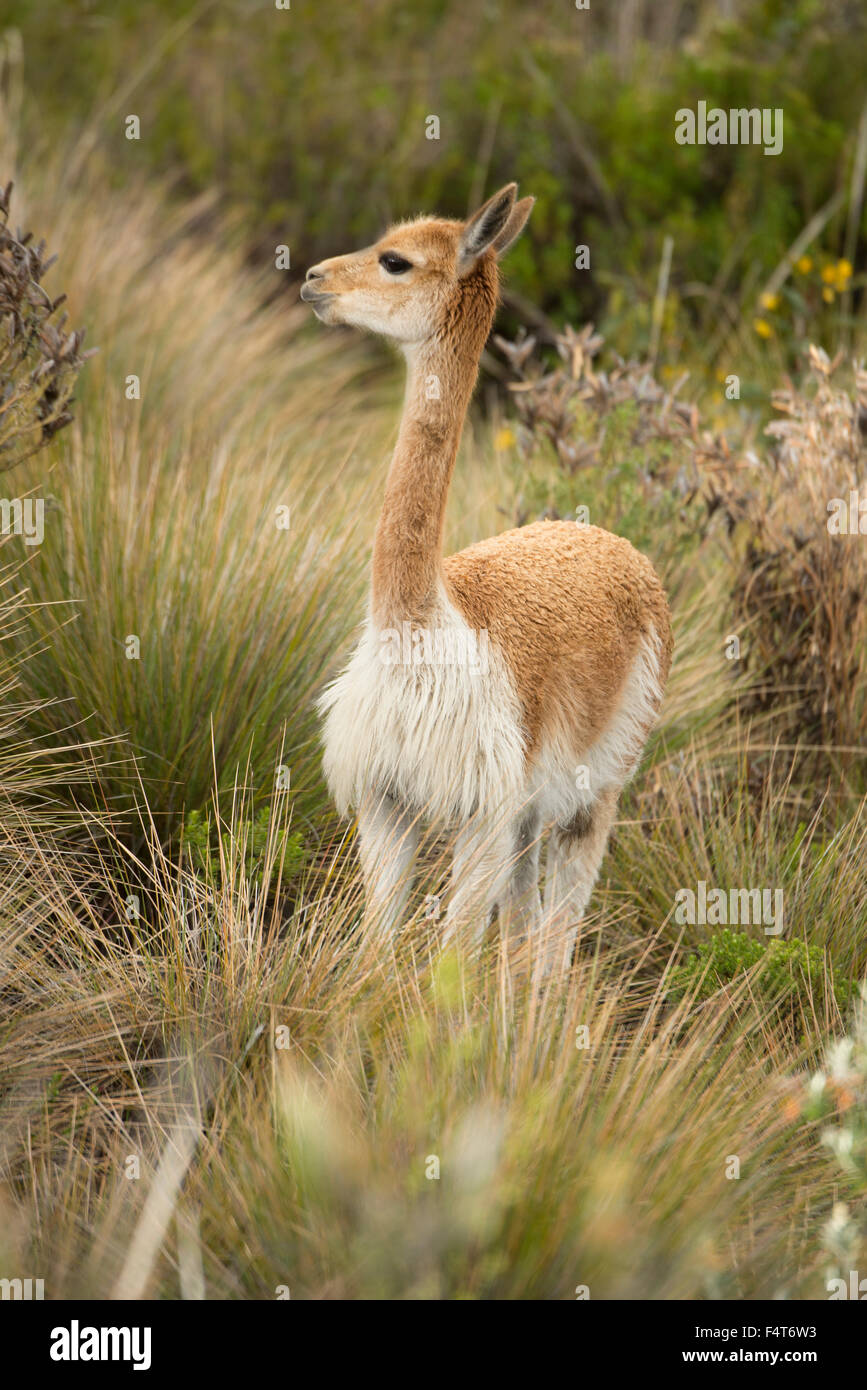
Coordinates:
[622,416]
[39,359]
[222,1083]
[800,559]
[211,516]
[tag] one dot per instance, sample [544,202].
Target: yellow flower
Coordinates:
[770,302]
[839,275]
[763,328]
[828,295]
[504,438]
[804,264]
[829,274]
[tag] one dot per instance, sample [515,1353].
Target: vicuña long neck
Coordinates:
[407,550]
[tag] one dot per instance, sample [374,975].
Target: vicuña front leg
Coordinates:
[481,866]
[387,842]
[520,906]
[575,853]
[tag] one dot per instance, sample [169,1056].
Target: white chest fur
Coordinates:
[431,716]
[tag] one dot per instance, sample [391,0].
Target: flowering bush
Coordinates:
[806,299]
[838,1095]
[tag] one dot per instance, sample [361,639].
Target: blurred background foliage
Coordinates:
[309,124]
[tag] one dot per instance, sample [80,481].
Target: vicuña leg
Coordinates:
[519,905]
[483,860]
[387,842]
[575,853]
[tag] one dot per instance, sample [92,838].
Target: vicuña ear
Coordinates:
[515,224]
[483,228]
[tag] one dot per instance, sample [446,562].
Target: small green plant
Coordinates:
[785,971]
[204,841]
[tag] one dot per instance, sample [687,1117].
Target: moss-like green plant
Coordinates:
[203,840]
[787,971]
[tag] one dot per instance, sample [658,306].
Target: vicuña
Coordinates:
[579,636]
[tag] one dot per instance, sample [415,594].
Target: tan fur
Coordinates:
[568,605]
[577,617]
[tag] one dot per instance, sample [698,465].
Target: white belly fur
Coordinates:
[448,742]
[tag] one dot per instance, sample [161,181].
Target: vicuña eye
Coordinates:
[393,263]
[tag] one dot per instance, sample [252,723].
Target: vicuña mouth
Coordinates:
[311,295]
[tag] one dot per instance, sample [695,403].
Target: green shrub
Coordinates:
[785,971]
[208,844]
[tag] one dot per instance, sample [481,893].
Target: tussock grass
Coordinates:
[163,519]
[700,822]
[305,1089]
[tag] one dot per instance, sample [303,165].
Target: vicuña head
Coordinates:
[422,277]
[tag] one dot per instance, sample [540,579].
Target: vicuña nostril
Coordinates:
[314,274]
